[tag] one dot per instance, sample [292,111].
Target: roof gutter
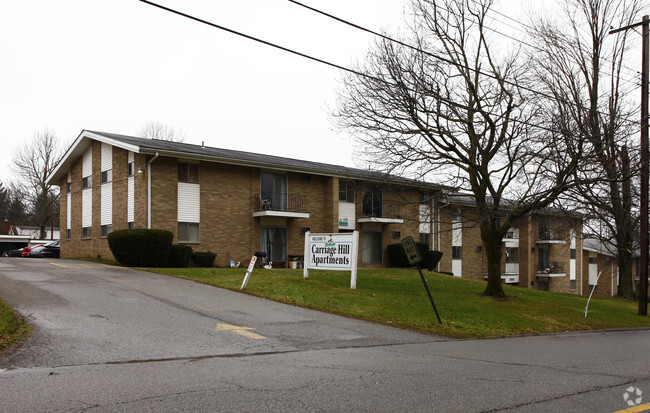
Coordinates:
[149,189]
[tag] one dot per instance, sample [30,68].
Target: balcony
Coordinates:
[273,204]
[551,269]
[550,237]
[386,213]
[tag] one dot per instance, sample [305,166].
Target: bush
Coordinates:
[397,256]
[180,256]
[141,247]
[204,259]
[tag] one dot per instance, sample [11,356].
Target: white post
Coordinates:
[249,271]
[307,258]
[355,259]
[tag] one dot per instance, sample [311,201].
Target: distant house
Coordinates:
[229,202]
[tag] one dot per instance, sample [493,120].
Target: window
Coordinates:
[188,232]
[68,187]
[188,172]
[130,169]
[397,235]
[456,253]
[593,260]
[572,284]
[346,191]
[372,201]
[129,225]
[425,197]
[425,238]
[86,232]
[67,234]
[105,230]
[573,253]
[107,176]
[87,181]
[274,191]
[305,178]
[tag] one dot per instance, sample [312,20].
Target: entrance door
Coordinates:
[274,243]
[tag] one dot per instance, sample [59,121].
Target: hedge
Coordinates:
[204,259]
[141,247]
[397,256]
[180,256]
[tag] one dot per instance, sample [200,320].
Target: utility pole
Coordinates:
[645,168]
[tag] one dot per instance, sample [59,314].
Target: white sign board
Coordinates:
[338,252]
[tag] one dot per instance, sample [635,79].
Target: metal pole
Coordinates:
[426,287]
[643,285]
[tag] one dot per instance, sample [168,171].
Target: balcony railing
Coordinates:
[274,201]
[549,235]
[387,210]
[509,268]
[550,268]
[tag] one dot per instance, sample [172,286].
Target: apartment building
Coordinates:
[229,202]
[543,250]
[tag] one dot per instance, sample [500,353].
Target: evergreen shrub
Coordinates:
[180,256]
[204,259]
[141,247]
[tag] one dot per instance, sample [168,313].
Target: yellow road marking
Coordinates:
[635,409]
[208,309]
[87,266]
[244,331]
[59,265]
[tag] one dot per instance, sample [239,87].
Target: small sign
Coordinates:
[411,250]
[337,252]
[249,271]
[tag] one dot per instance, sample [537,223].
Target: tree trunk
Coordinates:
[492,242]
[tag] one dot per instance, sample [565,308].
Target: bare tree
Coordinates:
[445,103]
[580,67]
[161,131]
[33,163]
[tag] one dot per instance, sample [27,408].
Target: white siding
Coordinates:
[346,215]
[107,204]
[189,202]
[86,208]
[593,270]
[425,219]
[457,231]
[68,216]
[107,157]
[130,193]
[87,163]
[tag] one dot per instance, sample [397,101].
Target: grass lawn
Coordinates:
[398,298]
[13,328]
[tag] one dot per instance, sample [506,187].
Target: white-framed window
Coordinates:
[456,252]
[188,172]
[188,232]
[87,181]
[105,230]
[130,169]
[107,176]
[86,232]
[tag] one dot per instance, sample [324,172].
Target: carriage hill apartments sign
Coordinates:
[336,252]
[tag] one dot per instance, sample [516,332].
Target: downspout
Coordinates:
[444,202]
[149,190]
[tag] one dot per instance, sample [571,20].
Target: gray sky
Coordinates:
[115,65]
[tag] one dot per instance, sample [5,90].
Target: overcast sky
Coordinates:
[114,65]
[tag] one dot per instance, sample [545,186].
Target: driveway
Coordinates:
[115,339]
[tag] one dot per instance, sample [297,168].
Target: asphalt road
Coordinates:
[115,339]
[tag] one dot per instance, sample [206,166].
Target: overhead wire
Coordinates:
[441,58]
[338,66]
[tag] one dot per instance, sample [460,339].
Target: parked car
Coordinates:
[14,253]
[26,250]
[51,250]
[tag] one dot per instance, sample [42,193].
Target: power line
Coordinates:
[343,68]
[441,58]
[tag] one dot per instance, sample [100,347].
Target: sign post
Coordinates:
[338,252]
[249,271]
[413,255]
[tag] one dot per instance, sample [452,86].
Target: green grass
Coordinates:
[13,328]
[398,298]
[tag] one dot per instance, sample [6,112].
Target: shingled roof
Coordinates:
[211,154]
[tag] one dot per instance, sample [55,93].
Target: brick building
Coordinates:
[229,202]
[234,203]
[544,250]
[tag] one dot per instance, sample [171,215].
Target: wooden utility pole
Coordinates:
[645,168]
